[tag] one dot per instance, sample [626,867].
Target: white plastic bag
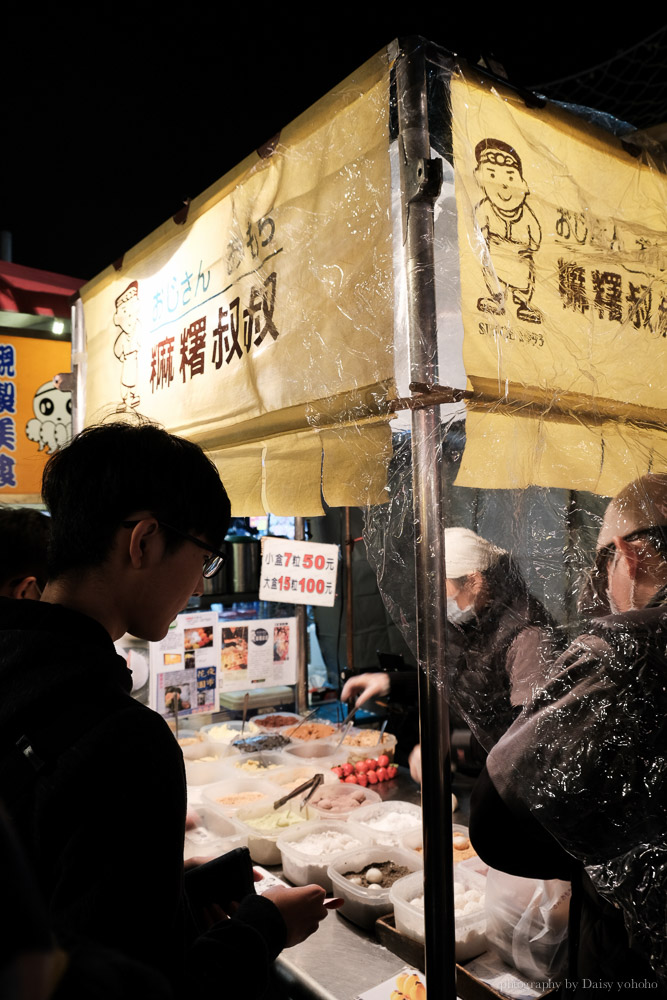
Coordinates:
[526,922]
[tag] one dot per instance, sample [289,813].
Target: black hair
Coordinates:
[24,538]
[113,470]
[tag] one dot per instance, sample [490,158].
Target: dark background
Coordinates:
[113,116]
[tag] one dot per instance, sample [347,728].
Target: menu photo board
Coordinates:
[259,653]
[184,666]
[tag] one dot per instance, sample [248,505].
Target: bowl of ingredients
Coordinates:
[205,762]
[407,898]
[227,732]
[272,721]
[264,824]
[362,744]
[388,820]
[341,801]
[307,851]
[211,834]
[308,731]
[233,794]
[364,877]
[265,764]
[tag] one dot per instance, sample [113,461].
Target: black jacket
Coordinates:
[495,663]
[577,789]
[97,797]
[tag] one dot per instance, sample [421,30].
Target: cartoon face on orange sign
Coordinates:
[51,426]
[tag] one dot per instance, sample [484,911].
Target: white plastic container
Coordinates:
[246,787]
[260,721]
[372,748]
[389,820]
[205,762]
[363,906]
[186,737]
[291,777]
[321,754]
[412,840]
[263,844]
[216,835]
[228,730]
[265,765]
[302,865]
[470,927]
[341,791]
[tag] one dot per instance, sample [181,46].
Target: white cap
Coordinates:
[641,504]
[466,552]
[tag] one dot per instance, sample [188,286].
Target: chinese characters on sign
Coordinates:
[298,572]
[7,414]
[227,324]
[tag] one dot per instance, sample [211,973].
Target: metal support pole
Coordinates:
[349,606]
[302,634]
[420,183]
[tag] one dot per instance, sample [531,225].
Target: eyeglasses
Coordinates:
[212,563]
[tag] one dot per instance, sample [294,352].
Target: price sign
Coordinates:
[298,572]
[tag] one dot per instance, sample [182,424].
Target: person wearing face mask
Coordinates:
[577,787]
[499,639]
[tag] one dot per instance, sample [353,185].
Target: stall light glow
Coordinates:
[58,326]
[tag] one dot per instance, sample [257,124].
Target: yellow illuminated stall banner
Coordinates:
[238,328]
[563,262]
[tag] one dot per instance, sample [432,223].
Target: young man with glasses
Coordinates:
[94,781]
[579,781]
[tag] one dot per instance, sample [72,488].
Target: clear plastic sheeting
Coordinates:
[557,243]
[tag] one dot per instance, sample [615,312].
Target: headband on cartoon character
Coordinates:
[132,291]
[497,152]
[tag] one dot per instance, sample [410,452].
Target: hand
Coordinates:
[415,762]
[301,909]
[367,686]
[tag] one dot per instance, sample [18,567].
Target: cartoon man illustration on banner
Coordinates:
[510,229]
[51,426]
[126,346]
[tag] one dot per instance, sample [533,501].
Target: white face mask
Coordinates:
[613,606]
[459,615]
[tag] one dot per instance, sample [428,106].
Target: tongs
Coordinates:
[312,783]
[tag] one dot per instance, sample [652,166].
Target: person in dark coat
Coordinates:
[499,642]
[577,787]
[94,781]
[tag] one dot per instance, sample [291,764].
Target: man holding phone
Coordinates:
[94,781]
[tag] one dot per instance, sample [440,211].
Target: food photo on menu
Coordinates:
[234,652]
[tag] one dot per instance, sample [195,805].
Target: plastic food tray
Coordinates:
[263,845]
[363,906]
[367,814]
[321,754]
[241,765]
[341,790]
[355,753]
[234,725]
[217,835]
[470,927]
[203,772]
[231,786]
[302,868]
[258,720]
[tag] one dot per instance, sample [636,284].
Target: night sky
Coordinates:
[114,117]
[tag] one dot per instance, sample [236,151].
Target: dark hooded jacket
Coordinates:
[496,662]
[577,789]
[96,792]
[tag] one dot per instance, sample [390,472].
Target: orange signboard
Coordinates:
[35,416]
